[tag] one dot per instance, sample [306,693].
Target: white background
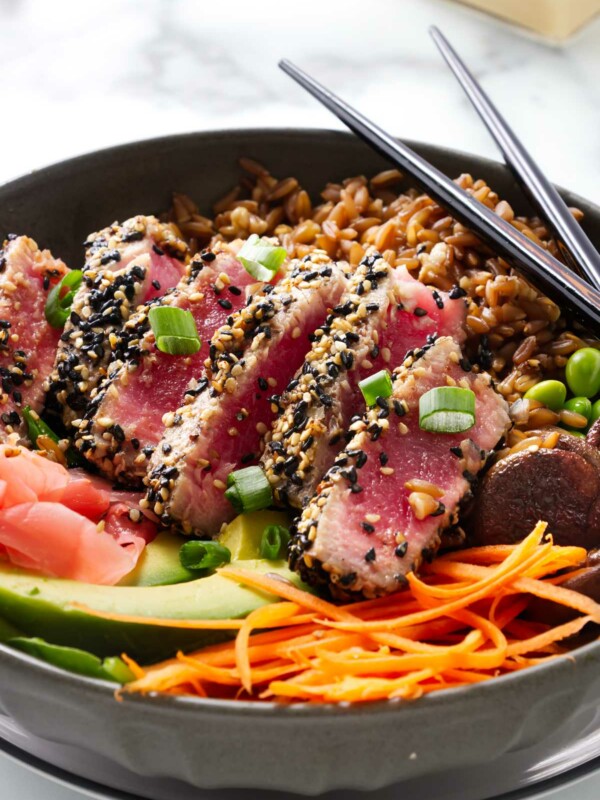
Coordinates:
[82,74]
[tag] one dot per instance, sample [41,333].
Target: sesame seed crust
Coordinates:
[377,440]
[372,326]
[140,376]
[308,431]
[115,280]
[27,341]
[238,393]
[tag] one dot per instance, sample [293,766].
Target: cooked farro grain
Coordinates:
[514,331]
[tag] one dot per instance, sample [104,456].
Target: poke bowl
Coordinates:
[462,315]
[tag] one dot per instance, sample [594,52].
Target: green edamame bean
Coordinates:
[580,405]
[551,393]
[595,411]
[583,372]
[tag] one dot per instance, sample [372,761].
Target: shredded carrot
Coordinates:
[260,618]
[283,588]
[464,621]
[169,622]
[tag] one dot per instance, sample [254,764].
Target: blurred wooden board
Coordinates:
[556,19]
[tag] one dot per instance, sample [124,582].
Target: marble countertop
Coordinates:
[79,76]
[84,75]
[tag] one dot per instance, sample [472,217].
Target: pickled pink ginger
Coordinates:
[66,524]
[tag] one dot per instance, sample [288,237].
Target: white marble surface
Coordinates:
[79,75]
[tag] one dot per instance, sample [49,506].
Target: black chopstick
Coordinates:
[547,273]
[571,236]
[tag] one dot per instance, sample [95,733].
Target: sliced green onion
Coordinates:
[249,490]
[377,385]
[36,427]
[447,409]
[273,544]
[174,330]
[58,304]
[203,555]
[261,258]
[74,659]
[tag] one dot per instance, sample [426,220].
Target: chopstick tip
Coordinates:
[285,64]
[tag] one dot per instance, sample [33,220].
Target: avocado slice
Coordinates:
[159,563]
[36,605]
[7,631]
[242,536]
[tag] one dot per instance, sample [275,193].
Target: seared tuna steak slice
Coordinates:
[27,342]
[252,356]
[384,314]
[380,509]
[125,265]
[123,423]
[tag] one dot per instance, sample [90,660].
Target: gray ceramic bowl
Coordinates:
[213,743]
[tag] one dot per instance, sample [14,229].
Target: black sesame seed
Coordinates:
[132,236]
[438,299]
[399,408]
[347,358]
[157,250]
[351,475]
[166,448]
[456,451]
[156,285]
[111,255]
[420,312]
[456,292]
[400,551]
[307,444]
[235,290]
[135,443]
[374,432]
[361,459]
[207,256]
[118,433]
[367,527]
[465,364]
[383,459]
[46,283]
[262,384]
[226,304]
[290,465]
[355,488]
[370,555]
[138,272]
[439,510]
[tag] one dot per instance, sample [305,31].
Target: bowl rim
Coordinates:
[189,703]
[192,704]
